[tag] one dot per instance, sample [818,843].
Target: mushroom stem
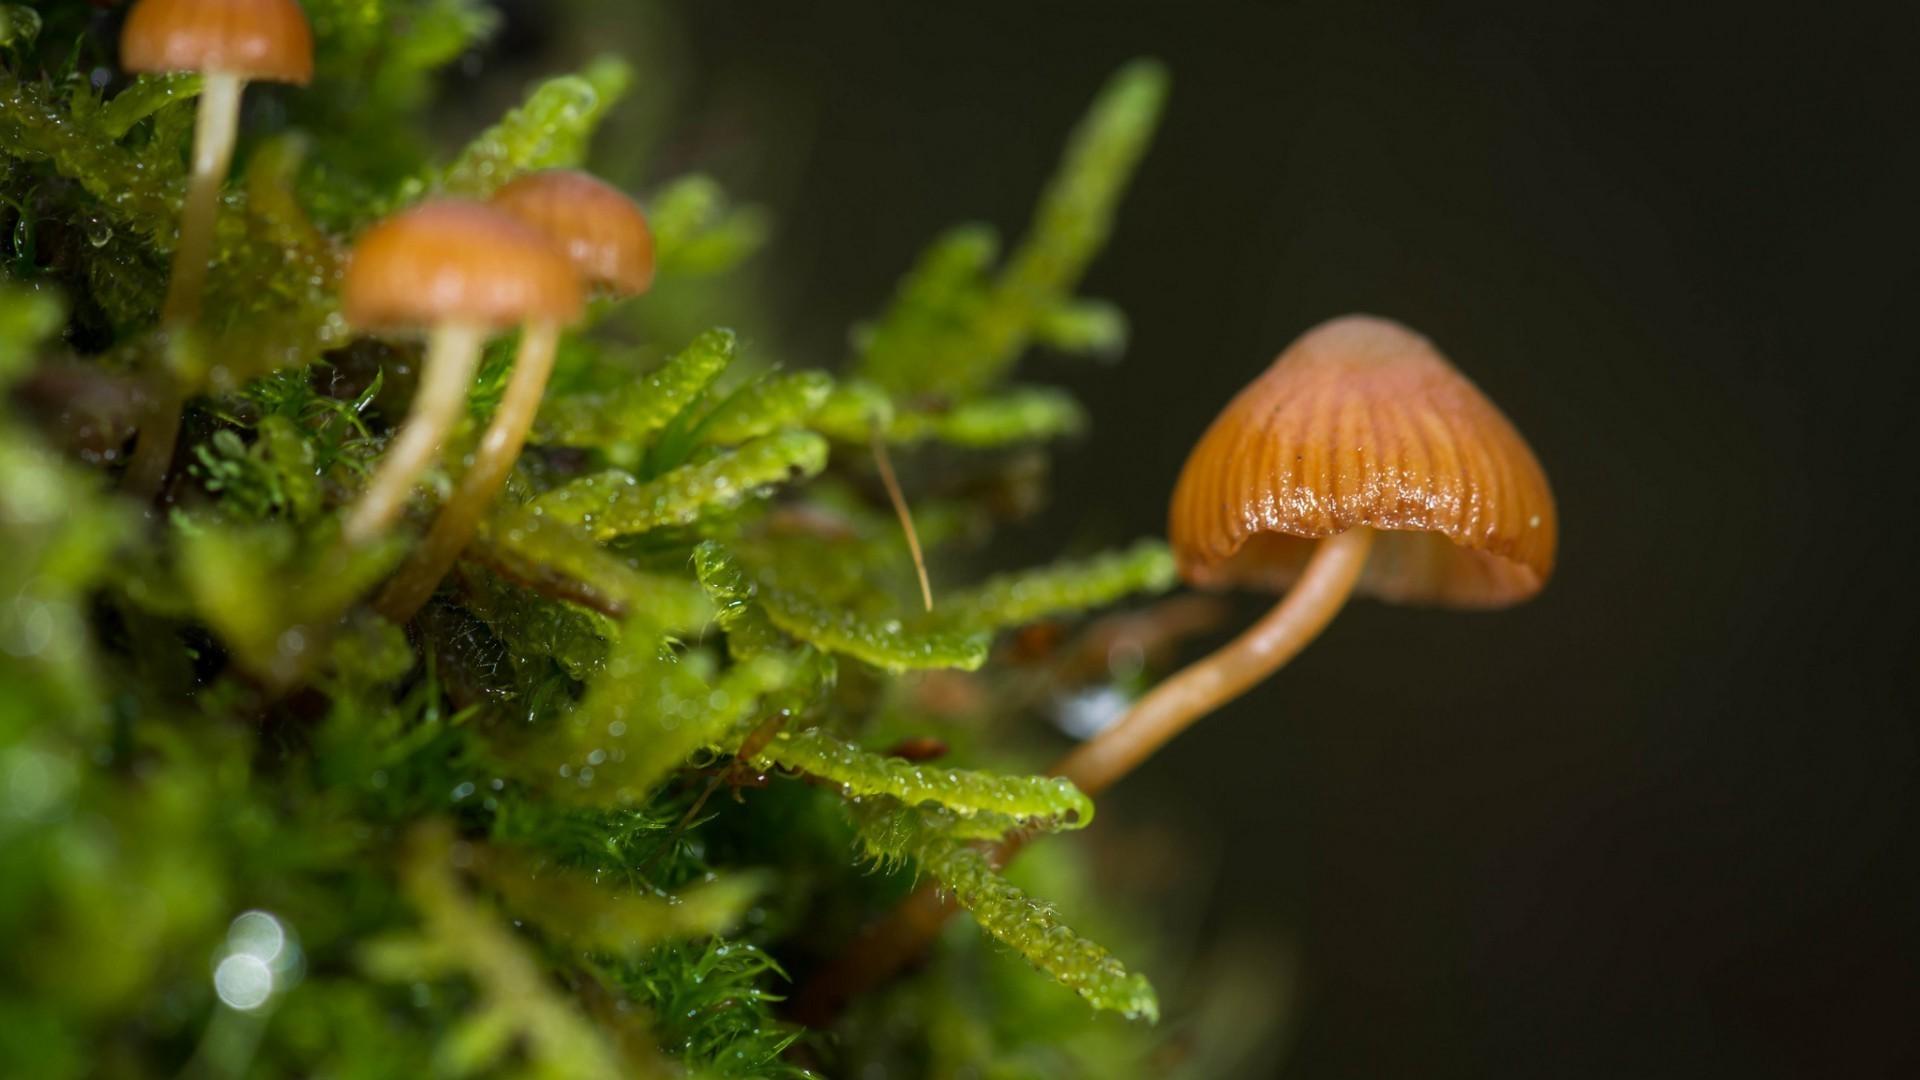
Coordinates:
[157,431]
[214,130]
[453,352]
[1207,684]
[492,463]
[213,135]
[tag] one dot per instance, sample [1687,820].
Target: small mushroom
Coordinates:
[607,239]
[229,43]
[595,223]
[1360,461]
[463,271]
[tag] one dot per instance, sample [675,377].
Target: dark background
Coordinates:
[1660,822]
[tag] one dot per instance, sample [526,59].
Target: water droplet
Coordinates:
[98,231]
[256,933]
[243,981]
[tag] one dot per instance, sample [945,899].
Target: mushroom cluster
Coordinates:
[461,271]
[606,241]
[464,271]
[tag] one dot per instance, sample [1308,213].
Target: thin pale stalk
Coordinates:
[1209,683]
[492,463]
[214,131]
[453,352]
[900,510]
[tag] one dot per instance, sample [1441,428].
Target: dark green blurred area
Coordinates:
[1657,823]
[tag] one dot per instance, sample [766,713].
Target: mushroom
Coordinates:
[229,42]
[595,223]
[1360,461]
[463,271]
[607,239]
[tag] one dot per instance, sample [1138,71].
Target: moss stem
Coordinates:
[492,463]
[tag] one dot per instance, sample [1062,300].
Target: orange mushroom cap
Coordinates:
[456,261]
[256,39]
[595,223]
[1361,422]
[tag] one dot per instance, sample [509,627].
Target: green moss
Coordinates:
[1028,595]
[632,412]
[615,503]
[1030,927]
[521,834]
[956,328]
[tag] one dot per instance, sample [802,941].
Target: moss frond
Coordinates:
[147,95]
[517,1007]
[887,643]
[1024,414]
[650,713]
[765,405]
[632,412]
[697,232]
[573,637]
[544,553]
[1028,926]
[615,503]
[549,130]
[954,330]
[1021,801]
[570,907]
[714,1007]
[1028,595]
[749,630]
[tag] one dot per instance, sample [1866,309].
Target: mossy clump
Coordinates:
[580,814]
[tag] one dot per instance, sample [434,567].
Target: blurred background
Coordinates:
[1659,822]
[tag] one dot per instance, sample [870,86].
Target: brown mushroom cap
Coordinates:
[1361,422]
[455,261]
[256,39]
[598,226]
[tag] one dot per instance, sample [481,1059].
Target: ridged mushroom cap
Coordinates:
[256,39]
[595,223]
[457,261]
[1361,422]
